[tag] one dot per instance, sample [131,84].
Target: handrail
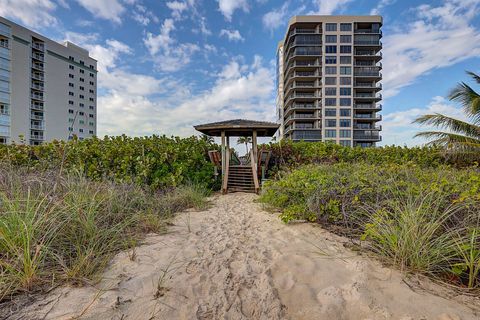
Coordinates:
[253,162]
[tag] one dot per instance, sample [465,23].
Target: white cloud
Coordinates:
[177,8]
[326,7]
[32,13]
[167,54]
[241,91]
[275,18]
[144,16]
[232,35]
[381,4]
[439,37]
[228,7]
[105,9]
[399,129]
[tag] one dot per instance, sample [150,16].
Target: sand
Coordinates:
[236,261]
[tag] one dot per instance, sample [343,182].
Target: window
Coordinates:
[71,67]
[346,143]
[82,96]
[82,88]
[80,130]
[91,99]
[71,85]
[82,71]
[71,94]
[70,111]
[81,113]
[91,107]
[330,102]
[329,133]
[70,129]
[82,105]
[331,27]
[330,80]
[91,91]
[330,60]
[70,120]
[82,80]
[345,27]
[92,67]
[345,133]
[345,91]
[91,123]
[92,75]
[331,39]
[345,102]
[81,122]
[330,123]
[90,131]
[330,91]
[330,49]
[345,81]
[90,115]
[345,70]
[345,123]
[330,112]
[82,63]
[330,70]
[71,76]
[70,102]
[345,112]
[345,60]
[345,49]
[71,58]
[92,83]
[346,39]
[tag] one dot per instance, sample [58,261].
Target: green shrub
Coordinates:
[420,218]
[156,161]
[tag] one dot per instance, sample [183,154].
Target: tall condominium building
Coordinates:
[48,90]
[328,74]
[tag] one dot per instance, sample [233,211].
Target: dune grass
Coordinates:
[66,229]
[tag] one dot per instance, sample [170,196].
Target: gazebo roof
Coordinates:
[238,127]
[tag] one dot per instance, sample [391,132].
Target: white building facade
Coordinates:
[48,90]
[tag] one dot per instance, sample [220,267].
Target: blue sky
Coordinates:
[167,65]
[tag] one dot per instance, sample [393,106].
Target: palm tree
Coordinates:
[462,138]
[244,140]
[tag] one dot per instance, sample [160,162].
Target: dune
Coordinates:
[236,261]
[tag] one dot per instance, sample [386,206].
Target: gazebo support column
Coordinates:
[255,161]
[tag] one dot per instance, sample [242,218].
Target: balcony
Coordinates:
[37,117]
[304,41]
[38,46]
[37,86]
[374,31]
[37,127]
[367,72]
[368,106]
[37,96]
[38,76]
[39,57]
[368,85]
[38,66]
[307,135]
[304,51]
[367,137]
[301,116]
[36,106]
[365,126]
[35,136]
[301,107]
[302,95]
[368,43]
[4,112]
[367,96]
[367,116]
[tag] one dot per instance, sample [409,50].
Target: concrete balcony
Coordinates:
[38,77]
[38,46]
[37,97]
[38,107]
[38,66]
[37,127]
[39,57]
[367,106]
[366,96]
[367,137]
[366,116]
[39,87]
[368,127]
[37,117]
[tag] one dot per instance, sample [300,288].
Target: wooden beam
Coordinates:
[223,153]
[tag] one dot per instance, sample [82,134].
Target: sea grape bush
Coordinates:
[289,154]
[156,161]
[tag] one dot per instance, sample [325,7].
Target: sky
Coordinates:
[165,66]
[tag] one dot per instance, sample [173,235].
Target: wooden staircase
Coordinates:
[240,179]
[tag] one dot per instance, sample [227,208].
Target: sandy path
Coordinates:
[235,261]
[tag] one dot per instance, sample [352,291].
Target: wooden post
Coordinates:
[255,161]
[223,159]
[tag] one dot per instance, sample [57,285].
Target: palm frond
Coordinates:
[452,124]
[468,98]
[447,138]
[475,76]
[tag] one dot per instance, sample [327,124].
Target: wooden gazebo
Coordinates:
[239,176]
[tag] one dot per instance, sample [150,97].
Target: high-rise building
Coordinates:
[328,80]
[48,90]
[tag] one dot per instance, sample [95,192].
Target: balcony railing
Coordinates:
[376,31]
[38,87]
[367,106]
[37,117]
[373,137]
[367,72]
[37,76]
[36,106]
[38,46]
[367,53]
[37,66]
[368,85]
[37,56]
[300,117]
[307,135]
[4,113]
[366,127]
[367,116]
[36,96]
[359,95]
[368,42]
[37,127]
